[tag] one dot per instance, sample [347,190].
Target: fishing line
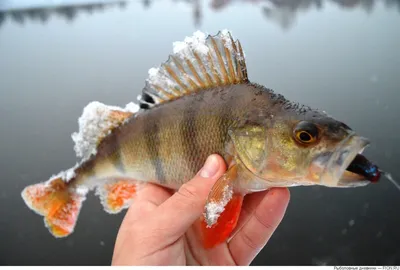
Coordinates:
[390,178]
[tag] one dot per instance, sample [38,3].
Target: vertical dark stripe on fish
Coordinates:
[118,162]
[152,135]
[189,131]
[225,113]
[112,149]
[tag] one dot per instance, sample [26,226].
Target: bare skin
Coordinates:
[162,229]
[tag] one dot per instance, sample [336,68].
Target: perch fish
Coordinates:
[200,102]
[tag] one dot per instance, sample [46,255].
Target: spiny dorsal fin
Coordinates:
[197,63]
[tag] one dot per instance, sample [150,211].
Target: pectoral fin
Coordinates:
[222,210]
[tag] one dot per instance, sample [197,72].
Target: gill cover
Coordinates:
[250,146]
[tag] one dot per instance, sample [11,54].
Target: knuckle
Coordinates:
[265,223]
[188,191]
[188,195]
[249,240]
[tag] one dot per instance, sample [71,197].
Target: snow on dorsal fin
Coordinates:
[198,62]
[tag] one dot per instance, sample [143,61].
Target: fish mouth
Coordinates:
[337,171]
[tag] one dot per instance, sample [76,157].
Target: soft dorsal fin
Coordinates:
[198,62]
[95,123]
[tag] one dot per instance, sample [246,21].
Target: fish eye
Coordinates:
[306,132]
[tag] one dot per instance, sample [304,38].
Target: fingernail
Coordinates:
[210,167]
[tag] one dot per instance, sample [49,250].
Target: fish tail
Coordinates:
[57,202]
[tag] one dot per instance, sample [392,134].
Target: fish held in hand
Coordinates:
[197,103]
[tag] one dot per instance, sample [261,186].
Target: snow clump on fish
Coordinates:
[94,120]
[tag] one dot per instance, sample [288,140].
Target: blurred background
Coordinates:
[341,56]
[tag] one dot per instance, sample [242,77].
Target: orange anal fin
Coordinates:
[226,223]
[118,195]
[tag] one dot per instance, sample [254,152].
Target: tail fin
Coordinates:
[58,204]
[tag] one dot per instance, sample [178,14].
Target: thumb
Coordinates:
[183,208]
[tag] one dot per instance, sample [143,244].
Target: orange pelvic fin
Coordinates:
[57,203]
[222,210]
[117,195]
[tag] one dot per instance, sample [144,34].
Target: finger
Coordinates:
[147,200]
[153,194]
[181,210]
[256,232]
[250,204]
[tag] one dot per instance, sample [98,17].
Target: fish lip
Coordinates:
[334,173]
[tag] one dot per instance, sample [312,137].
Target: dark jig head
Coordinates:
[362,166]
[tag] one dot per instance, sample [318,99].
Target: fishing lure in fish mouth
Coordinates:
[197,103]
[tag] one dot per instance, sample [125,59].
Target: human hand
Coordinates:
[160,229]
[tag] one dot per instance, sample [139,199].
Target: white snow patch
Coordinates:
[153,72]
[228,43]
[197,43]
[92,124]
[227,39]
[69,174]
[214,209]
[132,107]
[66,175]
[82,190]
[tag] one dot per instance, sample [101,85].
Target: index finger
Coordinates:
[183,208]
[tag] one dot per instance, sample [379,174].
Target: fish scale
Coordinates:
[182,140]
